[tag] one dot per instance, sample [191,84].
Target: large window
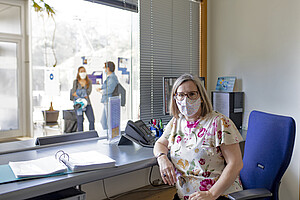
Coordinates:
[13,122]
[83,33]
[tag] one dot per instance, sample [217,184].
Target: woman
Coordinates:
[204,146]
[82,88]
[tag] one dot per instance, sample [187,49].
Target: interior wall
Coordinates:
[118,185]
[258,41]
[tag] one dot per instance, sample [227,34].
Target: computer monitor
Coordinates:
[167,89]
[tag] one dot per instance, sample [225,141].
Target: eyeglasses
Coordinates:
[193,95]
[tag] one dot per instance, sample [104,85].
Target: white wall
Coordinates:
[258,41]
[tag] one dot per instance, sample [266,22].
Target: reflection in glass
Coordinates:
[9,119]
[10,19]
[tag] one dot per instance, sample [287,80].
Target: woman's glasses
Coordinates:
[193,95]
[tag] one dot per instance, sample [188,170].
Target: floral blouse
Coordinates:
[196,154]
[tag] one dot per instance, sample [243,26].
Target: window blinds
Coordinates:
[169,46]
[131,5]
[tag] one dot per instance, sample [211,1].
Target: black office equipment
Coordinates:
[123,140]
[139,133]
[119,90]
[66,137]
[70,121]
[230,104]
[69,193]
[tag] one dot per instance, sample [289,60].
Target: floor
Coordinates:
[149,193]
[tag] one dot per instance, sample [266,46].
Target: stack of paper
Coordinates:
[90,160]
[38,167]
[81,161]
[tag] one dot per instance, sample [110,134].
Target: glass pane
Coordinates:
[88,35]
[9,119]
[10,19]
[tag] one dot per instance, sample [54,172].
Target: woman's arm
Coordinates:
[74,88]
[89,90]
[233,158]
[166,167]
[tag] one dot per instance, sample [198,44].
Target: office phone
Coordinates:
[139,133]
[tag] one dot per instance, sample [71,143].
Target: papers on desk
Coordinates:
[60,162]
[39,167]
[83,161]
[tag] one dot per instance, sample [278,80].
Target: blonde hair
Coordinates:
[206,106]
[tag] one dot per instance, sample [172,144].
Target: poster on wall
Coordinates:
[114,119]
[52,85]
[123,67]
[225,83]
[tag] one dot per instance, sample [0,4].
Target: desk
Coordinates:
[128,158]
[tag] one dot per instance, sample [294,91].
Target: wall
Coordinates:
[258,41]
[120,184]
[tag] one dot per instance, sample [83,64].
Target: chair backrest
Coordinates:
[268,150]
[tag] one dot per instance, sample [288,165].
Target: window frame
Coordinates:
[203,40]
[23,73]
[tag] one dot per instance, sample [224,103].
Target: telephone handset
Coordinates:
[139,133]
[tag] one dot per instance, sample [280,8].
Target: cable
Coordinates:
[104,189]
[149,179]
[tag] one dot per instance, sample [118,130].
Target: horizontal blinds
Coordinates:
[131,5]
[169,39]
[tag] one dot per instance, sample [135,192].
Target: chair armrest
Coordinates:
[250,194]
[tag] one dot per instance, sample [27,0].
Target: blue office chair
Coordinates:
[267,154]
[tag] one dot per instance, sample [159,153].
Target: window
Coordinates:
[84,33]
[169,47]
[13,93]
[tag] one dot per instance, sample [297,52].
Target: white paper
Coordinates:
[89,160]
[38,167]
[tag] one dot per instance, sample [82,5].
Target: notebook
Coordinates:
[61,162]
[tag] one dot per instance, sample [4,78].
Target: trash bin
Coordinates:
[70,121]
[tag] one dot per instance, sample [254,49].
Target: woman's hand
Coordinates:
[98,89]
[74,94]
[202,195]
[166,170]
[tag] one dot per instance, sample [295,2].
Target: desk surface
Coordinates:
[128,158]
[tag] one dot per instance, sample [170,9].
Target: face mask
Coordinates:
[82,75]
[188,107]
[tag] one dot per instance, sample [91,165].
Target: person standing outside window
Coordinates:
[82,88]
[107,89]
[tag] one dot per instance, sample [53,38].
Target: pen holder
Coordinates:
[160,132]
[154,131]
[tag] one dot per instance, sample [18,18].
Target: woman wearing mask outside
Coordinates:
[82,88]
[203,144]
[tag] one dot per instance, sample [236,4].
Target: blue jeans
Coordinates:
[104,117]
[90,115]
